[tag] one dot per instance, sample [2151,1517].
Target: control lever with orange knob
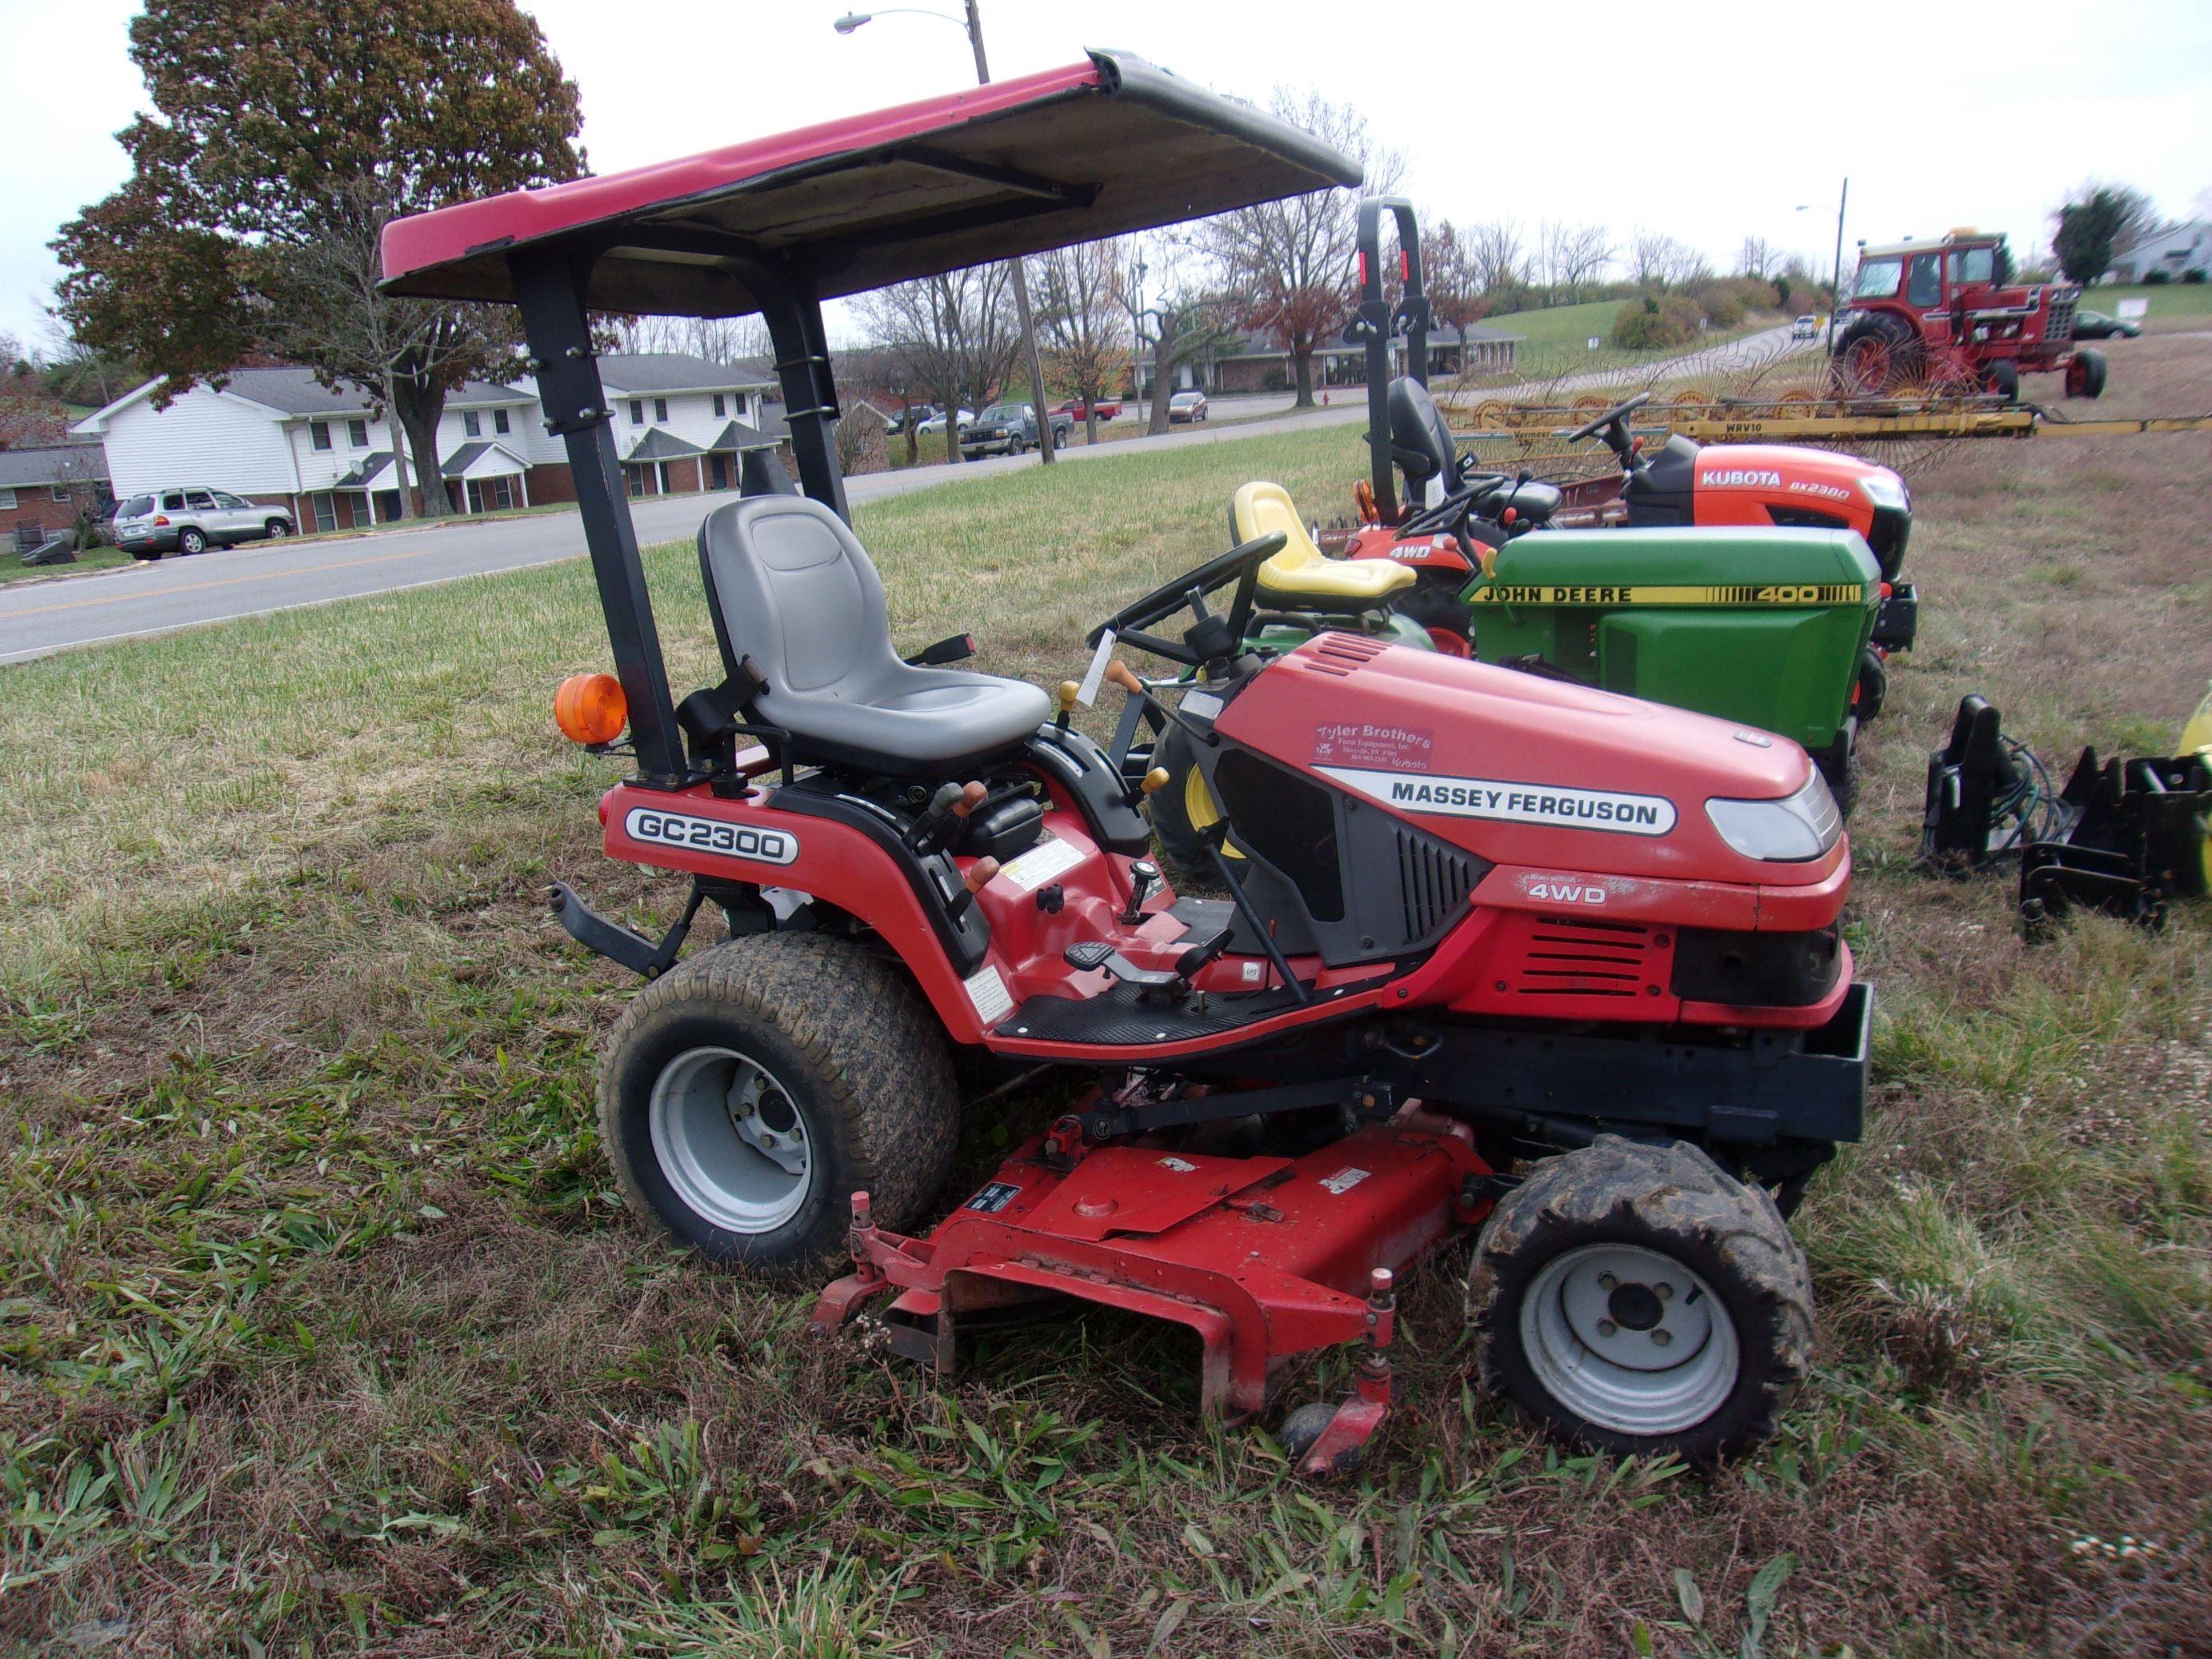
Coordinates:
[946,818]
[980,875]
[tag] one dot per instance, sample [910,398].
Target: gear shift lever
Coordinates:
[1144,876]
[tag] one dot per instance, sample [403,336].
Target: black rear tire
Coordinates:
[1900,352]
[855,1054]
[2004,379]
[1435,604]
[1572,1344]
[1874,685]
[1182,809]
[2086,377]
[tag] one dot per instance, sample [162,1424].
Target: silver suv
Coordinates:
[193,521]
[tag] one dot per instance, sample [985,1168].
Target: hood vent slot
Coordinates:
[1567,956]
[1435,882]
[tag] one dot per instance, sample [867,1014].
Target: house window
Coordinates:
[660,409]
[7,501]
[319,433]
[472,423]
[357,433]
[637,411]
[60,492]
[327,512]
[721,406]
[499,422]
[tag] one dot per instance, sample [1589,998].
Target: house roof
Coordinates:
[457,464]
[675,371]
[292,393]
[739,436]
[358,475]
[661,446]
[53,463]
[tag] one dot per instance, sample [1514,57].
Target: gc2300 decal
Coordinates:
[1614,811]
[736,840]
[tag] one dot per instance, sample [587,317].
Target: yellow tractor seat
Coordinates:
[1302,577]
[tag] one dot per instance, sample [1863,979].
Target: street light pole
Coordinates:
[854,20]
[1836,301]
[1045,447]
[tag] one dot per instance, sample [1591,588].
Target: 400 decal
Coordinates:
[737,841]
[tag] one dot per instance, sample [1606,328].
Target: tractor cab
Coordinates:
[1946,315]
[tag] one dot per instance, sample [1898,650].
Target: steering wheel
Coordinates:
[1477,490]
[1190,589]
[1619,413]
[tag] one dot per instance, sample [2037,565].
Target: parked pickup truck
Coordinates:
[1011,429]
[1107,411]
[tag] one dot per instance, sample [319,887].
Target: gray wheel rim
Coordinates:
[1628,1339]
[732,1140]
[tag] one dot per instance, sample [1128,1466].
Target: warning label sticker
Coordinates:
[1346,1179]
[988,992]
[1181,1166]
[1040,864]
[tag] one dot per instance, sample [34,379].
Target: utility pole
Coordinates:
[1021,277]
[1837,303]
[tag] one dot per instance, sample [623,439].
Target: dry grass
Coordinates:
[320,1330]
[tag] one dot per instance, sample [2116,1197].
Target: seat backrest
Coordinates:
[1259,508]
[791,587]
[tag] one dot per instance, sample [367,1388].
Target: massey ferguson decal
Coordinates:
[1741,477]
[736,840]
[1362,743]
[1613,811]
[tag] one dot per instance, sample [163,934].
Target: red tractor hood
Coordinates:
[1519,769]
[1779,472]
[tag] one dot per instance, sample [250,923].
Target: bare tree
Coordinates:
[1571,256]
[1495,254]
[1457,295]
[717,339]
[954,334]
[1289,263]
[1657,260]
[1083,320]
[1758,257]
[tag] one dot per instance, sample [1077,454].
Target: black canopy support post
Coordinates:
[1376,324]
[549,287]
[793,309]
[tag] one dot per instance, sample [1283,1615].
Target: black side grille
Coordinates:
[1567,956]
[1434,882]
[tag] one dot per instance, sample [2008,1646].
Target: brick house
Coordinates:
[1255,362]
[45,488]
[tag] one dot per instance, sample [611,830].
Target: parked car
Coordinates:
[1073,408]
[1010,429]
[192,520]
[1187,406]
[1806,327]
[2095,325]
[936,422]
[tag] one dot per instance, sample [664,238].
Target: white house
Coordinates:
[279,436]
[681,422]
[2176,250]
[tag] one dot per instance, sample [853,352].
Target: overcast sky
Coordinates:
[1710,122]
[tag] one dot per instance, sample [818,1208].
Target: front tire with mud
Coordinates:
[749,1091]
[1635,1299]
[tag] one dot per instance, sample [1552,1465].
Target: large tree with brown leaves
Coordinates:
[286,134]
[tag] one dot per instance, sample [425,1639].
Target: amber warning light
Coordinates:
[591,708]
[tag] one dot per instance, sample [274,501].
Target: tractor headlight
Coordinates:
[1785,832]
[1886,489]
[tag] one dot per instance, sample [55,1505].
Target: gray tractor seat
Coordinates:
[792,587]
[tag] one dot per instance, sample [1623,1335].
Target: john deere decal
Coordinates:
[1779,593]
[1613,812]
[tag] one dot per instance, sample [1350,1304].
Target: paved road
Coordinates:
[38,618]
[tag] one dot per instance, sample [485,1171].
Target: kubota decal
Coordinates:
[1774,593]
[736,840]
[1741,477]
[1615,812]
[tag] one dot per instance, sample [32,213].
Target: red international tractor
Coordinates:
[1944,316]
[1504,953]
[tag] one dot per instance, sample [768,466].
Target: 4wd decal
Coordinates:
[1780,593]
[736,840]
[1563,890]
[1615,812]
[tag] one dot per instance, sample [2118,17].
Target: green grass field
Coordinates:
[322,1331]
[2177,303]
[13,569]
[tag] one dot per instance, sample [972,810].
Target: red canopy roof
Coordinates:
[1099,149]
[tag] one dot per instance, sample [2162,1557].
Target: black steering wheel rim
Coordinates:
[1619,411]
[1242,562]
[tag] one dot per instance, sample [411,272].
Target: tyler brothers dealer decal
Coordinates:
[736,840]
[1608,809]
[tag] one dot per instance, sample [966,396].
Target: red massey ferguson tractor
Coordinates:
[1942,315]
[1506,953]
